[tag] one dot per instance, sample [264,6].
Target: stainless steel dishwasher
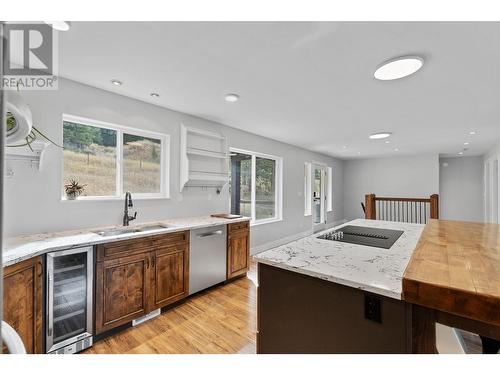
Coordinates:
[207,257]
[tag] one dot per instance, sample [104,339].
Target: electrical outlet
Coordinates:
[373,308]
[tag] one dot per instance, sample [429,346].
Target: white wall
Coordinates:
[405,176]
[33,199]
[461,188]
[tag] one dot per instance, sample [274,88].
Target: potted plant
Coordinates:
[73,189]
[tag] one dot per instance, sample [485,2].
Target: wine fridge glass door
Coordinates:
[69,296]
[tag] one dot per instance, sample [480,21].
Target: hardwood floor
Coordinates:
[221,320]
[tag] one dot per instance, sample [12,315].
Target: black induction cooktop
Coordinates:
[376,237]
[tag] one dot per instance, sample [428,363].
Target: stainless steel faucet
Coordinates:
[128,203]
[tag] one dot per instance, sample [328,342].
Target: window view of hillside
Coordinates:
[90,157]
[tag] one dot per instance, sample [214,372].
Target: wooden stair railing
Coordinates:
[410,210]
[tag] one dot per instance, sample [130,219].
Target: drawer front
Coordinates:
[124,248]
[238,226]
[140,245]
[177,238]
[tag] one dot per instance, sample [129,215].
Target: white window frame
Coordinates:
[120,129]
[278,202]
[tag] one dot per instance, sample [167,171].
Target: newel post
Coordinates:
[370,211]
[434,206]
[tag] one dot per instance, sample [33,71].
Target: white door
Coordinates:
[319,197]
[491,190]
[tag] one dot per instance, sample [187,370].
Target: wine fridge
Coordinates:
[69,319]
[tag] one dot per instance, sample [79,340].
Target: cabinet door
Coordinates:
[169,275]
[121,290]
[238,252]
[22,301]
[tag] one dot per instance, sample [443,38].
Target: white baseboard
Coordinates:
[282,241]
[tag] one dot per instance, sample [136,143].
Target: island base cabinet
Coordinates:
[238,249]
[302,314]
[22,302]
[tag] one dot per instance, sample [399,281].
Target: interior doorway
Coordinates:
[319,197]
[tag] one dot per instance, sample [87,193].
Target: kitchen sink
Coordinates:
[127,230]
[147,228]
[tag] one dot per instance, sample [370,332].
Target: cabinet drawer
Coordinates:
[171,239]
[140,245]
[124,248]
[238,226]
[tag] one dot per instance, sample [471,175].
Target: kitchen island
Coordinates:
[321,296]
[318,296]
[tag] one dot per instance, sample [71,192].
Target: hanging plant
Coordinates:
[19,123]
[32,137]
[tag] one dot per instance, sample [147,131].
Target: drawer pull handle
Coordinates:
[209,234]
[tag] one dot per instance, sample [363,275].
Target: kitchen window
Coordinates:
[111,159]
[256,186]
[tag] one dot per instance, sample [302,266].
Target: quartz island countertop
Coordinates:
[17,249]
[367,268]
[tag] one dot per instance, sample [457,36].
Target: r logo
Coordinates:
[29,49]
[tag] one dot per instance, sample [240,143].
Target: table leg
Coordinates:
[423,330]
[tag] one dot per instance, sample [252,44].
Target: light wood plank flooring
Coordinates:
[221,320]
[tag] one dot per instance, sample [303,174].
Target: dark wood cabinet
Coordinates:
[121,290]
[169,275]
[22,301]
[238,249]
[134,277]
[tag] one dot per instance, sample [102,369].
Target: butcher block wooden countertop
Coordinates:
[455,268]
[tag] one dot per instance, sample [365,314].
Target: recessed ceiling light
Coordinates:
[155,95]
[398,67]
[461,153]
[380,135]
[387,141]
[59,25]
[359,152]
[466,143]
[396,149]
[472,133]
[344,147]
[232,98]
[116,82]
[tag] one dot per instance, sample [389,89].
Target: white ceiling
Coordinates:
[307,83]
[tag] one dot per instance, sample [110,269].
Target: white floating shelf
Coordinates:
[207,153]
[24,154]
[204,158]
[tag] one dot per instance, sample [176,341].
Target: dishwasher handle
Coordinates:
[209,234]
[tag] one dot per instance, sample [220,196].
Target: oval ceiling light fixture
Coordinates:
[59,25]
[381,135]
[398,67]
[155,95]
[472,132]
[231,98]
[116,82]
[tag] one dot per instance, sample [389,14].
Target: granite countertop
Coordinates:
[17,249]
[364,267]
